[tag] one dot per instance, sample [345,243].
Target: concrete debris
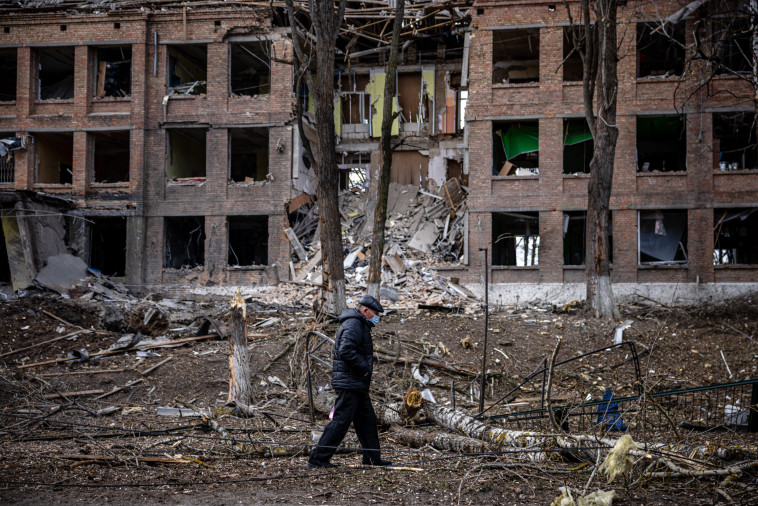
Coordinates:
[424,230]
[62,273]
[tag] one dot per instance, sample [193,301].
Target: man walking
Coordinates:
[351,376]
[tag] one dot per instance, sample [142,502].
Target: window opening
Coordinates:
[662,237]
[660,51]
[187,69]
[515,150]
[248,154]
[356,103]
[54,157]
[113,76]
[354,170]
[184,242]
[248,240]
[735,236]
[732,45]
[7,157]
[574,237]
[573,68]
[413,105]
[108,245]
[661,144]
[111,156]
[516,56]
[734,140]
[8,74]
[186,154]
[251,68]
[55,73]
[515,239]
[578,146]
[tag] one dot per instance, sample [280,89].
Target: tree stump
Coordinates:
[240,390]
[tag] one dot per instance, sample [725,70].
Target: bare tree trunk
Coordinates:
[240,389]
[600,79]
[385,147]
[326,22]
[439,440]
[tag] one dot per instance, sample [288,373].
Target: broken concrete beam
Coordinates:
[295,242]
[312,264]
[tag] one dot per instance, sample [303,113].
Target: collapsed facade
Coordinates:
[158,141]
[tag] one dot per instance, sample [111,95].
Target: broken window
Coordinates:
[354,169]
[187,69]
[735,236]
[8,73]
[574,237]
[573,68]
[452,116]
[355,102]
[660,49]
[186,153]
[515,239]
[248,240]
[662,237]
[516,56]
[54,157]
[734,140]
[110,156]
[113,73]
[732,41]
[108,245]
[578,146]
[248,148]
[661,144]
[184,242]
[8,144]
[55,73]
[251,68]
[515,148]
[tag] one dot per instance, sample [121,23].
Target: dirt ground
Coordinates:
[61,444]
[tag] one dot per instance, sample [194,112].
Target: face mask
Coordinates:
[375,319]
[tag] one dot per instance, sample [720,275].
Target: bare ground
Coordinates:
[53,449]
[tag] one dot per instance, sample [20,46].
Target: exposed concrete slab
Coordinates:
[19,254]
[62,273]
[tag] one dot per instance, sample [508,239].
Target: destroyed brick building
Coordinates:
[157,140]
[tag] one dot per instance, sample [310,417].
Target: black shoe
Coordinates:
[321,465]
[379,463]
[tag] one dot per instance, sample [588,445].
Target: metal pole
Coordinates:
[486,324]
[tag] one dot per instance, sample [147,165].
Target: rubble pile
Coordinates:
[424,231]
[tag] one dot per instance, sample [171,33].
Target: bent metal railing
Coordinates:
[732,405]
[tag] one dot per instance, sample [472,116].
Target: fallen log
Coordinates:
[65,395]
[439,440]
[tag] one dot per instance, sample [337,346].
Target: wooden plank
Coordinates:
[101,79]
[49,341]
[295,242]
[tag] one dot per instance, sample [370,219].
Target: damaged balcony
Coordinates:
[107,245]
[250,69]
[54,73]
[735,237]
[187,69]
[248,242]
[110,157]
[661,144]
[53,160]
[184,242]
[734,141]
[515,239]
[248,155]
[660,51]
[515,148]
[113,72]
[662,237]
[186,156]
[8,75]
[516,56]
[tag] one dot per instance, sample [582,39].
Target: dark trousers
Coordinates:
[351,406]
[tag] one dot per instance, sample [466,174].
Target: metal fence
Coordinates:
[7,166]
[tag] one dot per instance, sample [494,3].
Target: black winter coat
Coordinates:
[353,352]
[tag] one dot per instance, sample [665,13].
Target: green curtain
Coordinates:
[575,134]
[520,139]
